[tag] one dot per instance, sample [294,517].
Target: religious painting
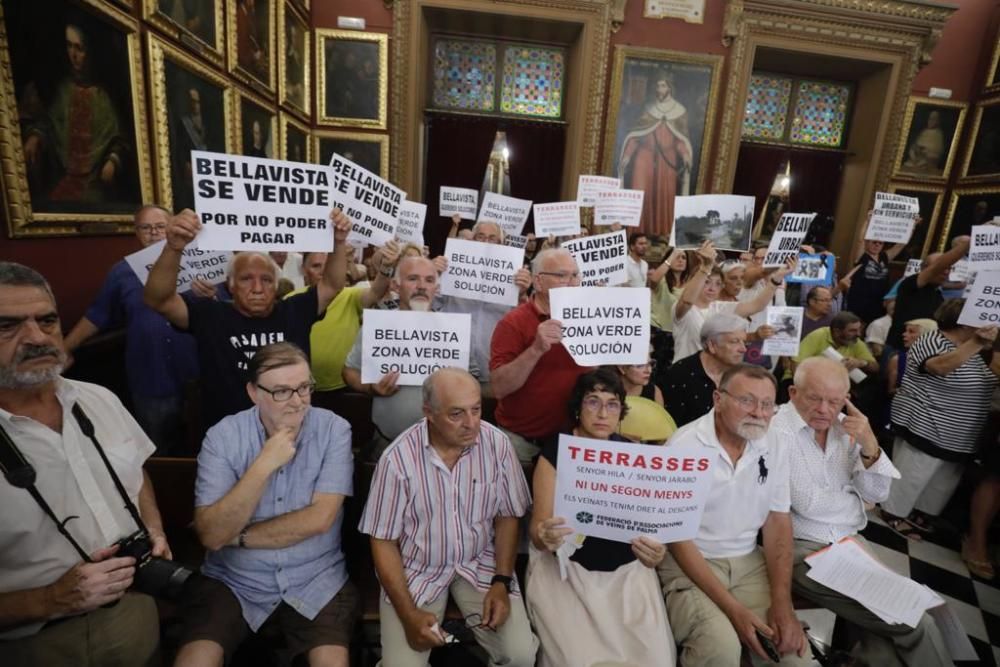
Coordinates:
[930,198]
[294,136]
[370,151]
[931,129]
[192,110]
[969,207]
[251,42]
[353,78]
[256,129]
[659,126]
[73,116]
[983,159]
[293,46]
[197,24]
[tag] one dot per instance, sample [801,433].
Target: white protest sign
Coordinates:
[481,271]
[509,212]
[588,186]
[913,266]
[623,490]
[515,241]
[982,304]
[959,272]
[207,265]
[892,218]
[621,206]
[463,201]
[561,218]
[249,203]
[984,250]
[787,324]
[603,325]
[410,223]
[601,258]
[787,239]
[725,220]
[413,343]
[370,202]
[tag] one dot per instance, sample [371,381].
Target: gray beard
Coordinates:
[751,431]
[10,379]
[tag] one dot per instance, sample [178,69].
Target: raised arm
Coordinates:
[959,249]
[385,258]
[761,301]
[161,286]
[335,270]
[692,288]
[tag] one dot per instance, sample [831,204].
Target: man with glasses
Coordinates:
[268,507]
[532,374]
[818,311]
[836,466]
[721,589]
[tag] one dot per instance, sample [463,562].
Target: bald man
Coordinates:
[836,466]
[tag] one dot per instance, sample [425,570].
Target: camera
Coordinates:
[154,576]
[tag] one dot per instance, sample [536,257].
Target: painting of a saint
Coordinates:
[931,131]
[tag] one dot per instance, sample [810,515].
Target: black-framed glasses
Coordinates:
[561,276]
[459,630]
[282,394]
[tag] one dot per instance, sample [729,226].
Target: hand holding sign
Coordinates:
[549,333]
[522,280]
[387,385]
[552,532]
[341,226]
[986,336]
[649,552]
[182,229]
[706,255]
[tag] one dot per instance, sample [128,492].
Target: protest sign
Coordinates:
[561,218]
[982,304]
[481,271]
[913,266]
[370,202]
[601,258]
[787,238]
[249,203]
[508,212]
[787,324]
[413,343]
[725,220]
[621,206]
[207,265]
[463,201]
[603,325]
[410,223]
[515,241]
[813,270]
[984,250]
[588,186]
[959,272]
[622,490]
[892,218]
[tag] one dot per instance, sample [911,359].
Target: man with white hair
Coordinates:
[691,382]
[836,466]
[230,333]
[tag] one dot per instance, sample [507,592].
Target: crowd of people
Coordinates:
[884,408]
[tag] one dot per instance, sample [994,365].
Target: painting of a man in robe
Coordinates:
[929,142]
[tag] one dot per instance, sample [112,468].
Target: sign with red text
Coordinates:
[509,212]
[603,325]
[621,206]
[587,187]
[461,201]
[561,218]
[621,490]
[412,343]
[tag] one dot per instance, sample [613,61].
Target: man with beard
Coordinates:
[721,589]
[636,266]
[58,591]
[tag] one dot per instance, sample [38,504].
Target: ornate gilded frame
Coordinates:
[157,50]
[973,138]
[956,194]
[911,107]
[214,53]
[993,71]
[266,87]
[304,111]
[285,120]
[238,121]
[935,217]
[381,139]
[22,221]
[622,53]
[379,38]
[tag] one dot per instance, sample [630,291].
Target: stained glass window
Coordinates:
[767,107]
[820,114]
[465,75]
[532,81]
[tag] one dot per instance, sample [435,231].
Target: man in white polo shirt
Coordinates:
[721,589]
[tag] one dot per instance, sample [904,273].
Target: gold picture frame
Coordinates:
[243,132]
[29,218]
[287,124]
[365,108]
[962,207]
[263,22]
[294,97]
[212,47]
[915,155]
[168,129]
[985,131]
[930,210]
[365,146]
[993,72]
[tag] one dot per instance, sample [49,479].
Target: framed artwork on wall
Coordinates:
[931,129]
[982,160]
[197,24]
[73,136]
[993,73]
[969,207]
[256,128]
[193,109]
[660,122]
[930,197]
[294,51]
[294,139]
[371,151]
[251,31]
[352,72]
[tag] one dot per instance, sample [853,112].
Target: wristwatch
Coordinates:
[878,453]
[502,579]
[243,538]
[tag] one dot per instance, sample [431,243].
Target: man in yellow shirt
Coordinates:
[844,336]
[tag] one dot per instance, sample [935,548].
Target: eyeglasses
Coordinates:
[816,401]
[459,631]
[149,229]
[282,394]
[749,403]
[594,404]
[561,276]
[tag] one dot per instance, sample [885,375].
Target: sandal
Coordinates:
[982,569]
[900,526]
[921,522]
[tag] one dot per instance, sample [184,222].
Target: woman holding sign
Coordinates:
[580,617]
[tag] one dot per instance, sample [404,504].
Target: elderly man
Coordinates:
[443,518]
[159,360]
[691,383]
[532,373]
[57,591]
[721,589]
[836,466]
[229,334]
[844,336]
[818,312]
[271,486]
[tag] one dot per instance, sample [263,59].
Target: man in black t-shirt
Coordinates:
[230,333]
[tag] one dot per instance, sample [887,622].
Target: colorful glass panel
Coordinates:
[767,107]
[465,75]
[532,81]
[820,114]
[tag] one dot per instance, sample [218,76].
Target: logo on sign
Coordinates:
[584,517]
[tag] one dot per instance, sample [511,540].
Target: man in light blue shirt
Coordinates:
[271,485]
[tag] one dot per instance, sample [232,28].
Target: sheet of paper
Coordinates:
[953,633]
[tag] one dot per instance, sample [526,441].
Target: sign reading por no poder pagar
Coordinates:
[413,343]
